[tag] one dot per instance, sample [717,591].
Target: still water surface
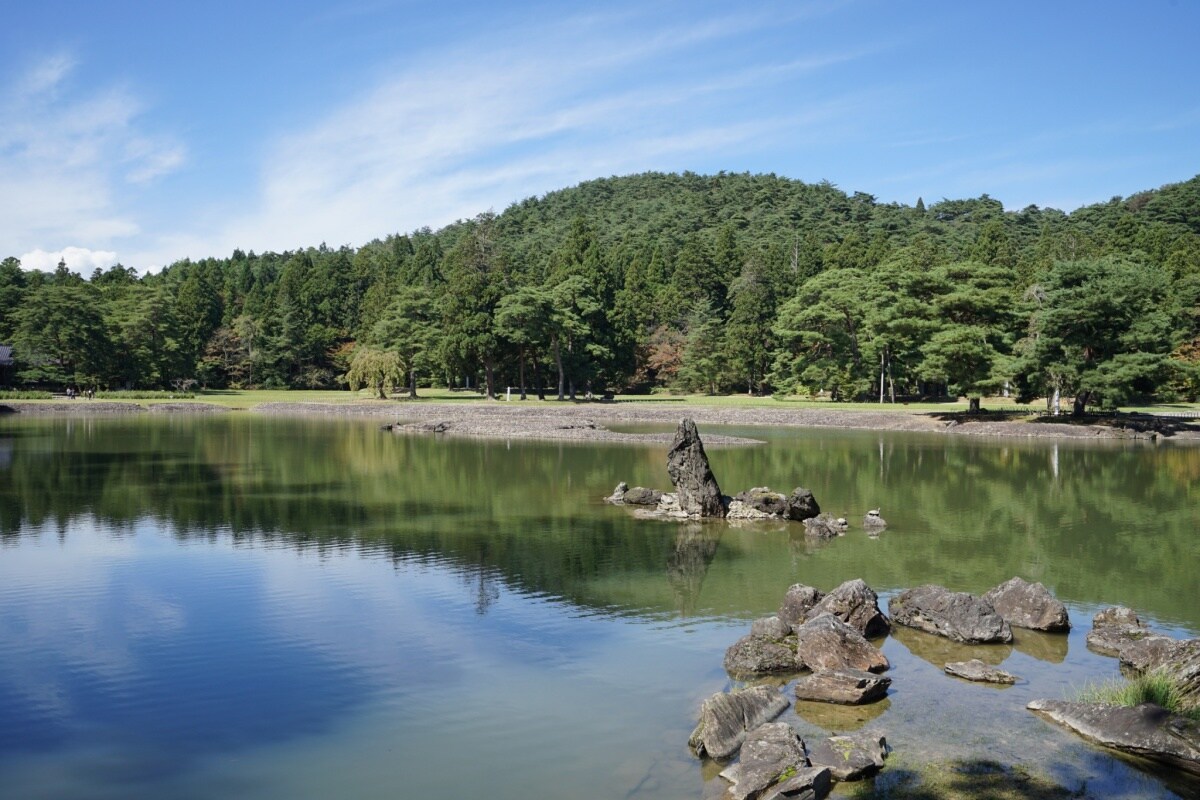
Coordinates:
[274,608]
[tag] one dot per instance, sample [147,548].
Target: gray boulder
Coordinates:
[802,505]
[695,486]
[641,496]
[849,687]
[771,754]
[857,605]
[798,601]
[807,783]
[1147,730]
[825,526]
[771,627]
[764,501]
[825,642]
[618,495]
[956,615]
[1028,605]
[1182,664]
[1119,632]
[725,719]
[759,655]
[850,757]
[976,670]
[873,522]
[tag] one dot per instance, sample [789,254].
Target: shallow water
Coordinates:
[277,608]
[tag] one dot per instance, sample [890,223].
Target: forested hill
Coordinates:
[730,282]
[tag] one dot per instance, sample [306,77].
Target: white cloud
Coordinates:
[68,158]
[78,259]
[490,124]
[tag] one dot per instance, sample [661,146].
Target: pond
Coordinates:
[198,607]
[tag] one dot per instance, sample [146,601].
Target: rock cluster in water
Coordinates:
[821,642]
[697,495]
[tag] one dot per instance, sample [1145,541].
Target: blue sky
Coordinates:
[152,131]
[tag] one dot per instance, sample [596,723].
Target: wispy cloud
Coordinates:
[67,158]
[488,124]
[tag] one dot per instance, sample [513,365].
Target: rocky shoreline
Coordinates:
[593,421]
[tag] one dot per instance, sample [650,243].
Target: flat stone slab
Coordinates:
[826,642]
[849,687]
[956,615]
[726,718]
[1029,605]
[1146,730]
[849,758]
[976,670]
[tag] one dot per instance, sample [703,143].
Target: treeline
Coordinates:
[731,282]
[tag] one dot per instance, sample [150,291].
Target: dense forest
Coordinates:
[722,283]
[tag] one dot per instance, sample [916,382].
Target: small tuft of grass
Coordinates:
[1157,687]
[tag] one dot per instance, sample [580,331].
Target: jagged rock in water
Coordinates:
[772,753]
[759,655]
[802,505]
[849,687]
[641,496]
[956,615]
[1147,730]
[851,757]
[427,427]
[857,605]
[1143,655]
[1028,605]
[726,718]
[798,601]
[976,670]
[695,486]
[772,627]
[618,495]
[825,642]
[872,521]
[825,526]
[1117,628]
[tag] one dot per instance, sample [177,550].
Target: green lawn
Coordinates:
[244,399]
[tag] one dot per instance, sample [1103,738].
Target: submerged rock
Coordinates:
[772,754]
[695,486]
[726,718]
[849,758]
[1028,605]
[855,604]
[976,670]
[956,615]
[1147,730]
[849,687]
[825,642]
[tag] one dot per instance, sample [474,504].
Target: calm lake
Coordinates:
[197,607]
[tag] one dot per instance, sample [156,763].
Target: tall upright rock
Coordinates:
[697,489]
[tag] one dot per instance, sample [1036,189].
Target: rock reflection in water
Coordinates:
[1049,647]
[832,718]
[695,546]
[938,650]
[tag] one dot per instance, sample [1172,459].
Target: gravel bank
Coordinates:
[591,421]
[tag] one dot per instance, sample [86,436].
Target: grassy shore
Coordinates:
[249,398]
